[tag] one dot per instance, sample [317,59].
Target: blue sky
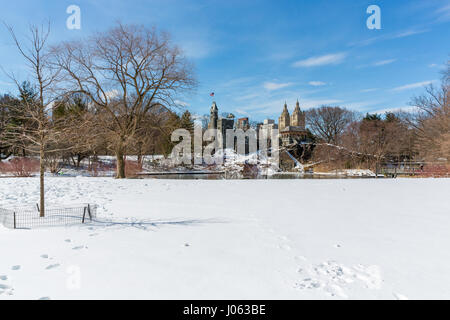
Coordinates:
[257,54]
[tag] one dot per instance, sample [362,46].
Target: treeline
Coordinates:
[345,139]
[114,91]
[85,138]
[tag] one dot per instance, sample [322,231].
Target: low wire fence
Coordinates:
[29,217]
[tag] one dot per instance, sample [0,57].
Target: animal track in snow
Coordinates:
[333,277]
[4,278]
[15,268]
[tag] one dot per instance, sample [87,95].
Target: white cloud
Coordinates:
[111,94]
[408,33]
[307,104]
[181,103]
[369,90]
[276,86]
[316,83]
[395,110]
[335,58]
[413,85]
[196,49]
[247,97]
[390,36]
[384,62]
[243,112]
[443,13]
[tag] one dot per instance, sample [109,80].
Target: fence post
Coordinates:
[89,211]
[84,214]
[14,220]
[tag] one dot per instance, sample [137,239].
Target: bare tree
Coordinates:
[432,121]
[329,123]
[34,131]
[125,72]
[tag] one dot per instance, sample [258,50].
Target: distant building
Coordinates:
[265,129]
[221,124]
[268,125]
[292,128]
[213,117]
[243,124]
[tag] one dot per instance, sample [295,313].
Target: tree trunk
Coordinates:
[120,168]
[41,179]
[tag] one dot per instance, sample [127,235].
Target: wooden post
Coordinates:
[89,211]
[84,214]
[14,220]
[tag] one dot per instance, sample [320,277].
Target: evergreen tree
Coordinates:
[186,121]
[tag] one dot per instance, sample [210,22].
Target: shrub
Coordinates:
[132,168]
[435,170]
[20,167]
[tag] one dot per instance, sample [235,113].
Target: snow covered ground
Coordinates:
[238,239]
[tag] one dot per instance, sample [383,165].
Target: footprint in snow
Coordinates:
[52,266]
[4,278]
[68,240]
[333,278]
[399,296]
[44,256]
[44,298]
[15,268]
[79,247]
[284,247]
[4,289]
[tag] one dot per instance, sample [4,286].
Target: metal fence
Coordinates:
[29,217]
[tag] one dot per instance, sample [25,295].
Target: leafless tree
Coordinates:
[126,72]
[432,121]
[328,123]
[36,132]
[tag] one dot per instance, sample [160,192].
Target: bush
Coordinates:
[3,167]
[435,170]
[20,167]
[132,168]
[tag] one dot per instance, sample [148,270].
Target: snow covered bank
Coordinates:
[240,239]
